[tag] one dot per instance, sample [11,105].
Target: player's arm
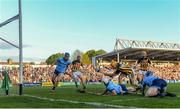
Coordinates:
[69,66]
[143,88]
[9,79]
[105,92]
[82,64]
[68,70]
[110,73]
[139,62]
[149,61]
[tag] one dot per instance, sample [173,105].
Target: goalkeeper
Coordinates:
[6,82]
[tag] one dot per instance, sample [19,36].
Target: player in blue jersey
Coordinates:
[116,89]
[157,86]
[62,66]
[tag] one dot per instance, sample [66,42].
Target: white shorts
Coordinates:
[77,74]
[142,72]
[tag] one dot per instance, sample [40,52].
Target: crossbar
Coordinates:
[9,20]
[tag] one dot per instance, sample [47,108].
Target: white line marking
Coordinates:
[130,99]
[136,99]
[78,102]
[10,95]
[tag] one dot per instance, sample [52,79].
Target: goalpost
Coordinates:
[20,46]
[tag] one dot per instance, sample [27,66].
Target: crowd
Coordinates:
[39,74]
[43,73]
[167,72]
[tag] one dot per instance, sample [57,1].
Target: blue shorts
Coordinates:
[160,83]
[124,88]
[57,72]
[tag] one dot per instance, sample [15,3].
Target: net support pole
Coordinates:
[118,58]
[20,52]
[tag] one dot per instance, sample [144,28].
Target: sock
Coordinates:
[7,92]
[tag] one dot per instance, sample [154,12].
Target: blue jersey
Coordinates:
[111,86]
[149,80]
[62,65]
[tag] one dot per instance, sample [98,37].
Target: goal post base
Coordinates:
[20,89]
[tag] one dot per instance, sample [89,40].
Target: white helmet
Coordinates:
[105,80]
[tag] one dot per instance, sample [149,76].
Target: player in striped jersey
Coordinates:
[78,73]
[122,72]
[144,63]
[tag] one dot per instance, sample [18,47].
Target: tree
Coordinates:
[75,54]
[32,63]
[101,51]
[87,57]
[9,61]
[52,59]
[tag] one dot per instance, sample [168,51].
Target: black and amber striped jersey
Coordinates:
[123,70]
[76,65]
[144,63]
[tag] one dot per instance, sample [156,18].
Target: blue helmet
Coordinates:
[66,54]
[148,73]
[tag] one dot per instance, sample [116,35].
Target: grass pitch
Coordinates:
[68,97]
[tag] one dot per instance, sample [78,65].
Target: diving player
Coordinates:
[77,72]
[116,89]
[62,66]
[157,86]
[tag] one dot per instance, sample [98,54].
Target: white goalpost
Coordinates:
[20,46]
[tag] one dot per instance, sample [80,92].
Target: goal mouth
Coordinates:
[11,37]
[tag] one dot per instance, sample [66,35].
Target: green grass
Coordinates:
[70,93]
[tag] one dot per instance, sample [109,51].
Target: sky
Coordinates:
[52,26]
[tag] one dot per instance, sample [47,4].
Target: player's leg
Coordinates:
[129,90]
[58,79]
[83,81]
[124,89]
[162,85]
[75,77]
[132,90]
[54,77]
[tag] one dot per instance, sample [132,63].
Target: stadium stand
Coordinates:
[131,49]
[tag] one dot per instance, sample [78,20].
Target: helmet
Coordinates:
[143,53]
[105,80]
[148,73]
[66,54]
